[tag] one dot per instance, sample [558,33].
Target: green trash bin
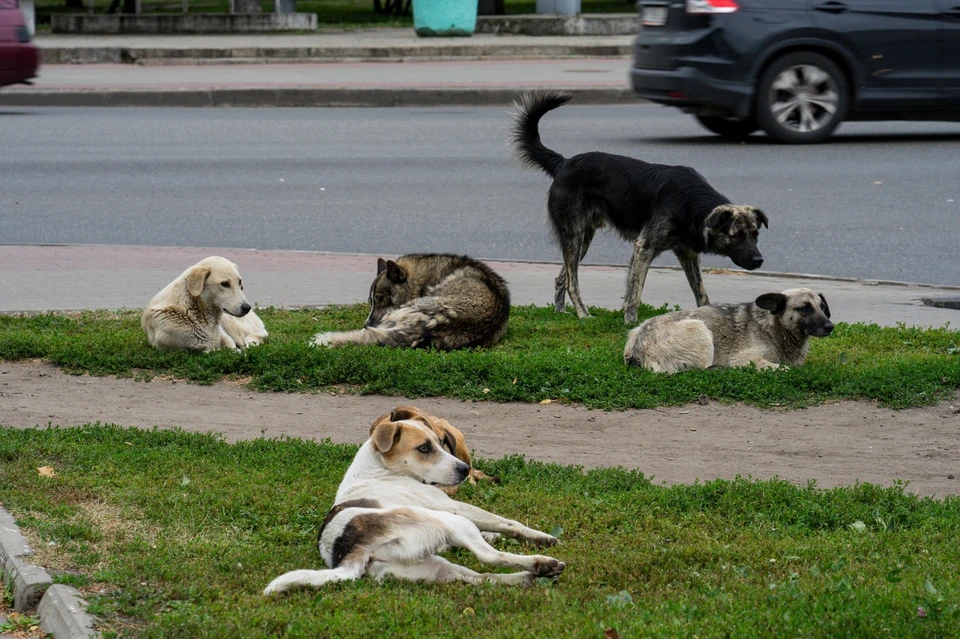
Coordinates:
[445,17]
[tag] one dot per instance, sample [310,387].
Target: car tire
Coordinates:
[802,98]
[728,127]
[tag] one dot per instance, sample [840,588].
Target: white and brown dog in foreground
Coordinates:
[769,332]
[391,517]
[202,310]
[450,438]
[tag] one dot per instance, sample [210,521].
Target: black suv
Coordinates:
[797,68]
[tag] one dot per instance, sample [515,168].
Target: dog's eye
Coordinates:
[225,284]
[806,308]
[425,448]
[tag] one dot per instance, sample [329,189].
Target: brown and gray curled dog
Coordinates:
[774,330]
[439,300]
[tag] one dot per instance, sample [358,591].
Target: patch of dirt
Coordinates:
[835,444]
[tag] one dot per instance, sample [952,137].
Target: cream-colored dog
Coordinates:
[202,310]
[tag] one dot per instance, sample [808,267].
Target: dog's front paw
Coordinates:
[490,537]
[547,566]
[322,339]
[541,540]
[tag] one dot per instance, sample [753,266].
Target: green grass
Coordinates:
[174,535]
[330,13]
[544,356]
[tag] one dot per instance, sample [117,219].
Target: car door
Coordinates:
[896,43]
[950,51]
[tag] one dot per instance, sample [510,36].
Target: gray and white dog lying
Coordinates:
[773,330]
[433,299]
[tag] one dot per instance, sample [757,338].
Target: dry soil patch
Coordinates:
[835,444]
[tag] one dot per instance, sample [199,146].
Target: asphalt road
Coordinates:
[881,201]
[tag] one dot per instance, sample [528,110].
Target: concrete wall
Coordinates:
[80,23]
[583,24]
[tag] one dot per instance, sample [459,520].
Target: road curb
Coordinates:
[295,97]
[63,613]
[28,581]
[61,609]
[499,50]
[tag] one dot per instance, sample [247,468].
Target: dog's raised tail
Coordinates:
[526,131]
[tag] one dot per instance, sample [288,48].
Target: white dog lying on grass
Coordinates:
[202,310]
[391,518]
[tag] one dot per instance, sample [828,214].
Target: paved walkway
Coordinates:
[368,67]
[75,277]
[377,43]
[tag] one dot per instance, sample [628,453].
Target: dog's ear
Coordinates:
[761,218]
[396,273]
[404,412]
[196,278]
[823,305]
[384,433]
[719,219]
[381,265]
[776,303]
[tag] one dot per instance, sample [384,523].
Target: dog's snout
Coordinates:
[463,470]
[827,327]
[755,262]
[244,309]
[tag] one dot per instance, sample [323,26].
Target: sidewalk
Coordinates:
[366,67]
[372,84]
[75,277]
[325,45]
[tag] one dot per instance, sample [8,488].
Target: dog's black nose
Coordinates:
[756,262]
[827,328]
[244,309]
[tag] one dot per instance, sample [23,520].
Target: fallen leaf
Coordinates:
[611,633]
[469,611]
[47,471]
[546,401]
[486,390]
[514,380]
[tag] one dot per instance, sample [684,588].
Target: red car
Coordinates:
[19,58]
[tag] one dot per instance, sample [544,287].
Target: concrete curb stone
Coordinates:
[61,609]
[63,613]
[29,581]
[502,50]
[295,97]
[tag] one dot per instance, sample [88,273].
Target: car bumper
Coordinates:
[693,90]
[18,63]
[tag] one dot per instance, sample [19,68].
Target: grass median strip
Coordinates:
[174,535]
[544,356]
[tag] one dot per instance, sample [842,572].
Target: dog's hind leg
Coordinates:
[560,291]
[560,284]
[571,262]
[690,261]
[438,569]
[640,261]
